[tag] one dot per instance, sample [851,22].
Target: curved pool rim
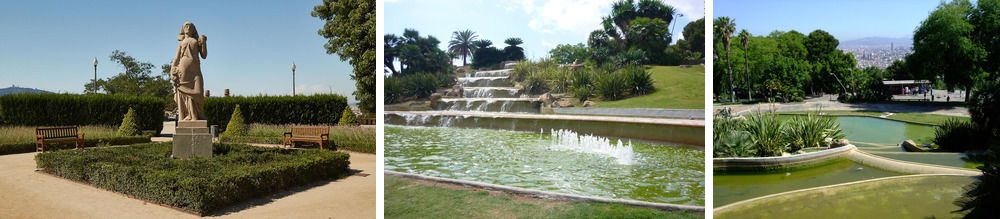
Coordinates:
[548,194]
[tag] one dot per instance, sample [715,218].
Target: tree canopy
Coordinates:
[461,43]
[137,79]
[350,33]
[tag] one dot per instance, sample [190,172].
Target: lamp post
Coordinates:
[293,78]
[838,81]
[675,25]
[95,75]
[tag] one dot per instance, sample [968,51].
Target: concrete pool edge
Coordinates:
[850,152]
[735,205]
[547,194]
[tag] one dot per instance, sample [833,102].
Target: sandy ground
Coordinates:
[25,193]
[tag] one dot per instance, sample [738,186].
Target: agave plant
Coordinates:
[769,134]
[812,130]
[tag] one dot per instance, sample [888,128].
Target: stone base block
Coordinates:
[192,139]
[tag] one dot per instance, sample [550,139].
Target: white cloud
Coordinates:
[583,16]
[557,16]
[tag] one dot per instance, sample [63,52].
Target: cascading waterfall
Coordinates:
[569,140]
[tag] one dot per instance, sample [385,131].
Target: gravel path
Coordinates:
[25,193]
[837,106]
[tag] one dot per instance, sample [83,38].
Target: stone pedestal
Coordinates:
[192,139]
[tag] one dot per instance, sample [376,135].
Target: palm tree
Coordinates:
[745,40]
[461,43]
[725,26]
[512,51]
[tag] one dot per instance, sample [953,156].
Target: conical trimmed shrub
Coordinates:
[129,127]
[237,125]
[347,118]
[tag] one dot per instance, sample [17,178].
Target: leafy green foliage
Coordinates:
[959,135]
[129,127]
[138,79]
[512,52]
[637,29]
[694,37]
[942,46]
[347,118]
[486,55]
[980,198]
[350,31]
[567,53]
[640,82]
[393,90]
[313,109]
[30,109]
[461,44]
[236,125]
[610,86]
[812,131]
[234,174]
[769,133]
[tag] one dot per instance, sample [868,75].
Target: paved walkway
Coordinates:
[25,193]
[826,105]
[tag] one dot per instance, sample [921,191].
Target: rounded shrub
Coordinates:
[958,135]
[129,127]
[610,86]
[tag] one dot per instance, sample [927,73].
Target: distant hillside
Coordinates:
[869,42]
[16,90]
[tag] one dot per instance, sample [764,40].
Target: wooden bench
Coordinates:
[313,134]
[366,121]
[57,134]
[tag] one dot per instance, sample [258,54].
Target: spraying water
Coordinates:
[569,140]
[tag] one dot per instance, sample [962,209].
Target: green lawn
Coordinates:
[676,88]
[920,118]
[405,198]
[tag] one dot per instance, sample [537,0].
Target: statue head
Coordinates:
[187,30]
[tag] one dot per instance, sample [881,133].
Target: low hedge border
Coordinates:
[338,142]
[17,148]
[236,173]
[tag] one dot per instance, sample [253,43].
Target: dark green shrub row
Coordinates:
[236,172]
[314,109]
[417,85]
[30,109]
[17,148]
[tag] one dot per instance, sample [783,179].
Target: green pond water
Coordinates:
[881,137]
[656,173]
[731,187]
[909,197]
[883,131]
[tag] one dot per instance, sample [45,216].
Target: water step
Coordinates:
[494,73]
[516,105]
[491,92]
[485,82]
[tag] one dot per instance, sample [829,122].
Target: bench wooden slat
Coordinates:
[57,134]
[314,134]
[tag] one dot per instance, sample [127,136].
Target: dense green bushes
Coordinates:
[958,135]
[26,147]
[236,172]
[31,109]
[417,85]
[546,76]
[314,109]
[767,135]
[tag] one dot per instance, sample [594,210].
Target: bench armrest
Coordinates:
[82,135]
[39,137]
[325,137]
[288,134]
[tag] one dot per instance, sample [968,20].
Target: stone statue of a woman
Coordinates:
[185,73]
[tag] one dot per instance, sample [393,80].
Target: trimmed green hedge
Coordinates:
[31,109]
[236,173]
[314,109]
[17,148]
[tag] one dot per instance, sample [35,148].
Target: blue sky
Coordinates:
[844,19]
[51,45]
[540,24]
